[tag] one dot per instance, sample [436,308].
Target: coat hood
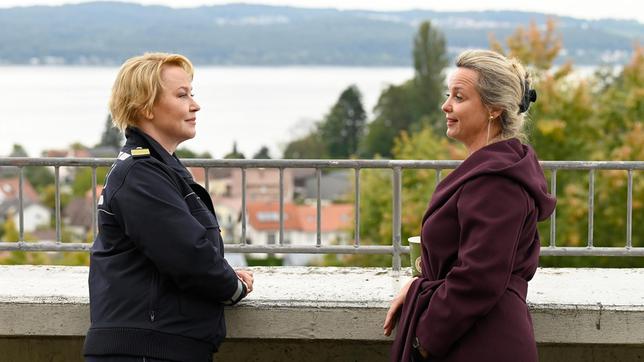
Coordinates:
[510,159]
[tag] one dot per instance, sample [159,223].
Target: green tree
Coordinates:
[415,103]
[343,127]
[188,153]
[83,180]
[111,136]
[48,198]
[263,153]
[234,154]
[594,118]
[9,230]
[310,146]
[394,112]
[18,151]
[430,61]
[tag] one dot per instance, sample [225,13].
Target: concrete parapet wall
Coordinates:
[336,313]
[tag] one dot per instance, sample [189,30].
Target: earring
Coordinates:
[491,117]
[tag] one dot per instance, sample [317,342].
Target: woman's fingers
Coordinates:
[390,319]
[247,277]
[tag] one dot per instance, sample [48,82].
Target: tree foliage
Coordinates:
[575,118]
[263,153]
[234,154]
[415,103]
[343,127]
[111,136]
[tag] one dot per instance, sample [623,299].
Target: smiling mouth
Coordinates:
[191,120]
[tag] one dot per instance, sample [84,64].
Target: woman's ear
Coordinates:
[147,114]
[494,112]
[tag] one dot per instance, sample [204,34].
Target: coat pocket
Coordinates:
[192,306]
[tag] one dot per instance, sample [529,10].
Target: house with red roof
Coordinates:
[300,226]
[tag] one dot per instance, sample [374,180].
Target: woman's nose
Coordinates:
[446,107]
[195,106]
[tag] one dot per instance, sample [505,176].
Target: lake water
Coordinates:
[53,107]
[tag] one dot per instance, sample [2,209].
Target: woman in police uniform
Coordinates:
[158,279]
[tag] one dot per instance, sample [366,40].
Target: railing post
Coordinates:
[357,209]
[629,211]
[243,210]
[591,206]
[57,202]
[318,176]
[281,170]
[397,205]
[553,216]
[94,205]
[21,217]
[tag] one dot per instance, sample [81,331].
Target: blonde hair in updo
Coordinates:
[138,85]
[501,83]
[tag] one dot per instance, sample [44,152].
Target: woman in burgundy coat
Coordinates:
[480,245]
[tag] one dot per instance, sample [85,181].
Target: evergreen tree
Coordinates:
[430,61]
[111,136]
[415,103]
[18,151]
[263,153]
[343,127]
[234,154]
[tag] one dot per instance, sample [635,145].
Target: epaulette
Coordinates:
[140,152]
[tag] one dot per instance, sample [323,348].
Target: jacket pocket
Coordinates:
[192,306]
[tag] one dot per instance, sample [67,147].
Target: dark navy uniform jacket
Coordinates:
[158,279]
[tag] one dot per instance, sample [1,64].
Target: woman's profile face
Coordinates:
[466,115]
[173,116]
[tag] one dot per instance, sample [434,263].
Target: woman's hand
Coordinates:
[246,276]
[396,304]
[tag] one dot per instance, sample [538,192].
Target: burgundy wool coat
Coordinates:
[480,247]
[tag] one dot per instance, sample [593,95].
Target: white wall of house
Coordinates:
[35,215]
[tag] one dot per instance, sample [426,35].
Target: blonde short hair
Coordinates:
[501,83]
[138,85]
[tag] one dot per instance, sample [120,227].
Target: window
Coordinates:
[270,239]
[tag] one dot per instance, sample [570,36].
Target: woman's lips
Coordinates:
[451,121]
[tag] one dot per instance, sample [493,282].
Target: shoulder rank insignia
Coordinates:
[140,152]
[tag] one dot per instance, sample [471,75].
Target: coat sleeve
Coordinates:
[155,217]
[491,214]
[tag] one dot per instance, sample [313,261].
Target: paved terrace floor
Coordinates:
[569,306]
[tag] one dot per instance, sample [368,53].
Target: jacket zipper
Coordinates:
[153,296]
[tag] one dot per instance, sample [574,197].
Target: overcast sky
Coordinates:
[590,9]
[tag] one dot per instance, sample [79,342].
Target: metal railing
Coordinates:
[395,249]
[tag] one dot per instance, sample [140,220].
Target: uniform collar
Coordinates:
[135,137]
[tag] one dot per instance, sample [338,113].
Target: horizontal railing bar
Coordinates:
[312,249]
[595,251]
[267,163]
[229,248]
[46,245]
[55,161]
